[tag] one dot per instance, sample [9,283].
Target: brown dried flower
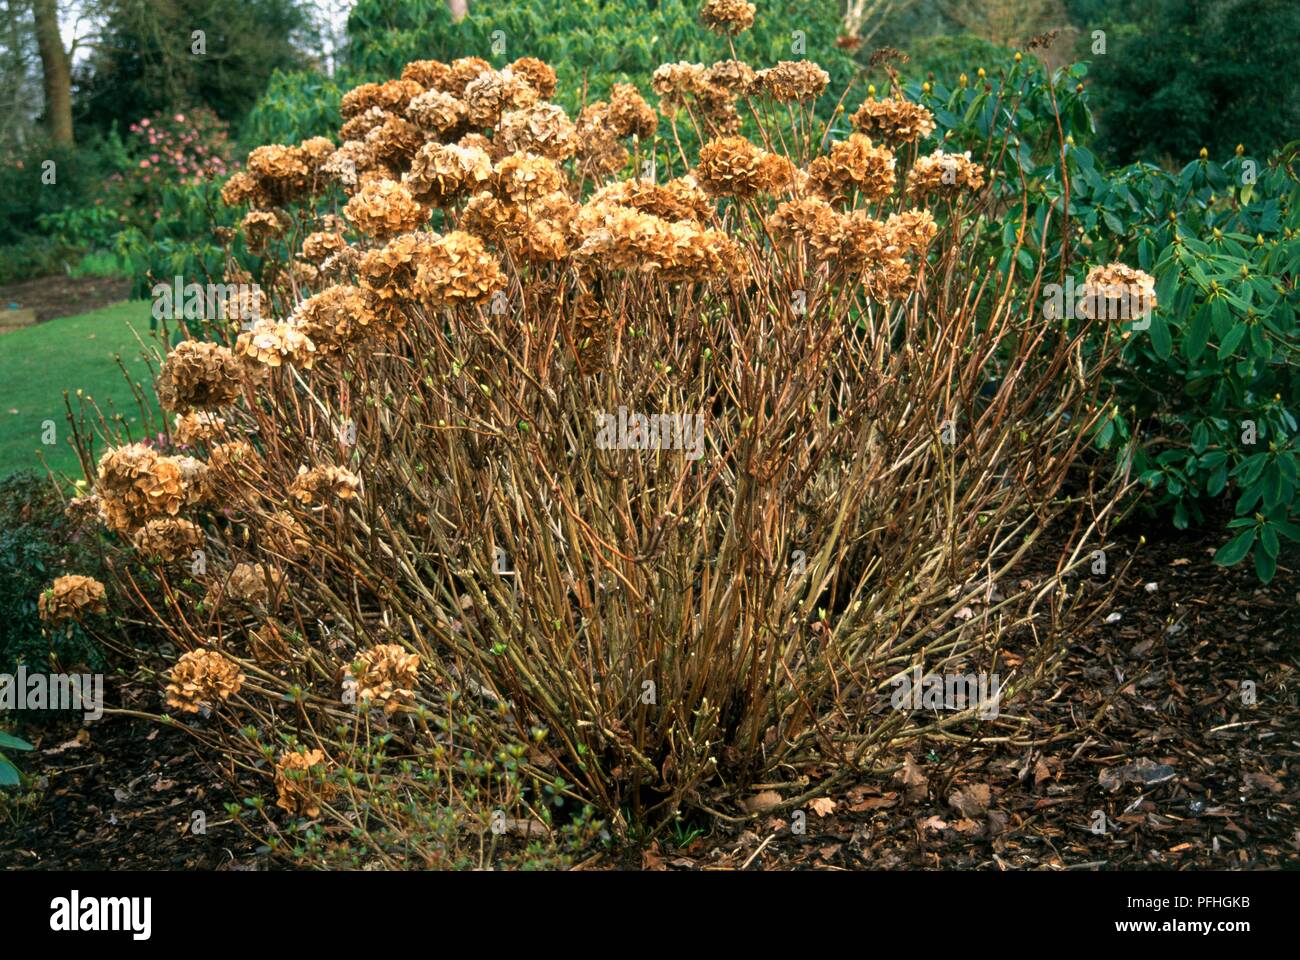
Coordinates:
[271,343]
[855,164]
[169,539]
[392,96]
[792,80]
[135,483]
[727,16]
[629,115]
[202,678]
[809,222]
[731,166]
[538,75]
[70,598]
[386,675]
[944,175]
[438,113]
[733,76]
[1117,291]
[321,245]
[543,128]
[300,783]
[199,374]
[318,483]
[384,208]
[441,172]
[456,268]
[898,121]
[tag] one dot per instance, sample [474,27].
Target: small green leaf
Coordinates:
[1235,550]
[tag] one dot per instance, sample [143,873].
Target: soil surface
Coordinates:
[1143,752]
[64,296]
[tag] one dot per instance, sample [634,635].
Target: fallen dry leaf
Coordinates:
[823,806]
[915,784]
[973,801]
[762,802]
[80,740]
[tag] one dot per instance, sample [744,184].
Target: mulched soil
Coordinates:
[121,794]
[1144,722]
[64,296]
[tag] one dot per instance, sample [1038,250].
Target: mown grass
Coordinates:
[38,363]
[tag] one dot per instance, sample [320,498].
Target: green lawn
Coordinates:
[39,362]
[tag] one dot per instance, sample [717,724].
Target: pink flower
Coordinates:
[144,122]
[180,118]
[144,164]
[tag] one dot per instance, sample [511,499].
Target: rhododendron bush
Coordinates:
[558,468]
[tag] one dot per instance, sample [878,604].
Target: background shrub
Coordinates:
[37,544]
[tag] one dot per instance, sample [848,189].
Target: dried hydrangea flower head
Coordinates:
[734,76]
[332,318]
[386,277]
[731,167]
[320,483]
[457,268]
[348,163]
[385,208]
[316,151]
[300,783]
[197,426]
[463,72]
[386,675]
[442,172]
[544,129]
[169,539]
[255,584]
[235,463]
[855,165]
[1117,291]
[792,81]
[393,142]
[439,113]
[199,374]
[391,96]
[600,151]
[944,175]
[727,16]
[271,343]
[320,245]
[522,177]
[619,238]
[896,121]
[429,74]
[260,227]
[678,199]
[282,173]
[540,76]
[808,222]
[201,679]
[135,483]
[912,231]
[673,82]
[243,188]
[70,598]
[629,115]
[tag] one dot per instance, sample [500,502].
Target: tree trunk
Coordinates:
[57,72]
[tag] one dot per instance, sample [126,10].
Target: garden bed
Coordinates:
[1160,684]
[63,296]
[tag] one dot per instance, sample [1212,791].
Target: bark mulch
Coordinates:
[63,296]
[1139,754]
